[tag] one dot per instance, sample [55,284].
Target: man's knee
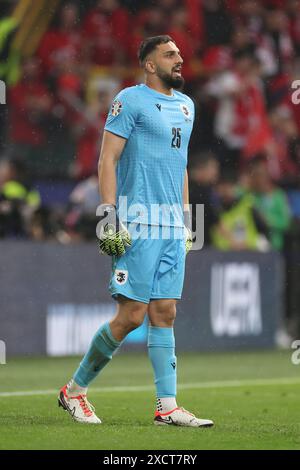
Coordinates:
[131,314]
[135,318]
[162,313]
[169,313]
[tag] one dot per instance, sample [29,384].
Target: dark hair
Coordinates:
[228,176]
[245,53]
[149,44]
[200,160]
[256,160]
[18,166]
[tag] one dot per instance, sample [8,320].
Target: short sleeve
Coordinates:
[193,109]
[122,115]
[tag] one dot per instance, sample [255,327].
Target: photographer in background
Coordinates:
[270,201]
[18,200]
[240,226]
[204,174]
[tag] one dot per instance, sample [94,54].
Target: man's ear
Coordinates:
[150,67]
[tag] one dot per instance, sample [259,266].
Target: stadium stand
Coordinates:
[63,61]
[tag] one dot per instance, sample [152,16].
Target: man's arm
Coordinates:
[111,150]
[186,191]
[112,234]
[186,214]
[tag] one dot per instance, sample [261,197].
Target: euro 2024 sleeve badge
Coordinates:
[116,108]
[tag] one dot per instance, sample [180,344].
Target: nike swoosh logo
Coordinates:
[168,419]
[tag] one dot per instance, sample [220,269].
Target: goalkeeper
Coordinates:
[144,189]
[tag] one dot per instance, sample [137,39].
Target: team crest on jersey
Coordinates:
[116,107]
[121,276]
[186,111]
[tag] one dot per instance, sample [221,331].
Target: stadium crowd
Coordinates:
[241,58]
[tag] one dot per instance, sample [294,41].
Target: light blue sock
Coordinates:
[161,348]
[99,354]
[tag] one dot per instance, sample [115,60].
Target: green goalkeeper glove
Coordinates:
[188,236]
[113,236]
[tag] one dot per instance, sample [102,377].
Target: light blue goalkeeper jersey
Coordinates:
[151,169]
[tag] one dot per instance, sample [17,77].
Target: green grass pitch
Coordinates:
[252,397]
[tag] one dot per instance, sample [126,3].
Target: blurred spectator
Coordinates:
[195,21]
[89,130]
[81,219]
[241,121]
[240,225]
[293,11]
[44,224]
[283,152]
[270,201]
[106,33]
[217,59]
[250,17]
[61,44]
[18,200]
[241,40]
[217,22]
[275,48]
[85,196]
[204,174]
[29,112]
[168,6]
[9,57]
[151,21]
[180,34]
[241,86]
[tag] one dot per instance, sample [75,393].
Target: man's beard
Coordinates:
[169,81]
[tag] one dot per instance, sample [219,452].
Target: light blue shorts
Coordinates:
[152,267]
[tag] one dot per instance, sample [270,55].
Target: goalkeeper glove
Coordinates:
[188,237]
[113,236]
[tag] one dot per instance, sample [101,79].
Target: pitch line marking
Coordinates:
[187,386]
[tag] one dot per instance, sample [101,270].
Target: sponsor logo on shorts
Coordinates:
[121,276]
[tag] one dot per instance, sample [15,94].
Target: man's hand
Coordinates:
[188,237]
[113,237]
